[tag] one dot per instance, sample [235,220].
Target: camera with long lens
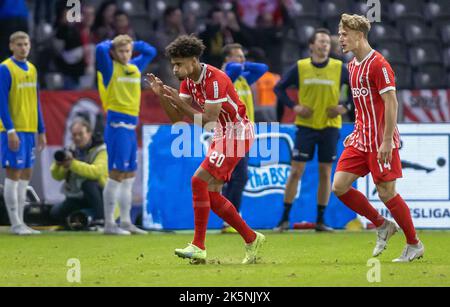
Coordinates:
[61,155]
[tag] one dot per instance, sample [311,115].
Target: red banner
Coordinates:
[61,107]
[425,106]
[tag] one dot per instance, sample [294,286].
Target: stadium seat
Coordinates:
[304,32]
[143,26]
[332,24]
[417,31]
[404,12]
[430,77]
[334,8]
[403,76]
[380,33]
[406,9]
[395,53]
[437,11]
[361,8]
[445,34]
[133,8]
[424,54]
[308,8]
[446,57]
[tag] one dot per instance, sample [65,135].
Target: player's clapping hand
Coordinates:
[172,95]
[154,83]
[385,152]
[303,111]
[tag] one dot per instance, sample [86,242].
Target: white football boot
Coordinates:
[411,252]
[384,233]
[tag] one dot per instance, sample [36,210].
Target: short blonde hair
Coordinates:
[18,35]
[355,22]
[121,40]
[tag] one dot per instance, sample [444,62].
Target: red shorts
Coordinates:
[223,156]
[361,163]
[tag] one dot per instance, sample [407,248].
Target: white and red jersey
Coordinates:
[214,86]
[369,79]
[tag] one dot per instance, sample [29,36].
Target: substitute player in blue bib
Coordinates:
[119,83]
[21,118]
[243,74]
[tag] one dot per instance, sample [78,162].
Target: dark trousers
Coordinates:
[234,188]
[92,201]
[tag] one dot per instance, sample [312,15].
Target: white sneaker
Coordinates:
[384,233]
[132,229]
[115,230]
[411,252]
[21,230]
[33,231]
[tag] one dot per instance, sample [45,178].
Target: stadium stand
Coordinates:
[412,34]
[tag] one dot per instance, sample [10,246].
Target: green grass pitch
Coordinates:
[288,259]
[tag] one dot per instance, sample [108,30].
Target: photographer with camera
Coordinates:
[84,168]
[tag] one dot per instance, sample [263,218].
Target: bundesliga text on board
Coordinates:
[425,154]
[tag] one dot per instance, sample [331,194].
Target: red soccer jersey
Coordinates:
[369,79]
[214,86]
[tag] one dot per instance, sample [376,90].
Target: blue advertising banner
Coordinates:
[172,153]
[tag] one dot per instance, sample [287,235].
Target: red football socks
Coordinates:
[356,201]
[225,210]
[401,214]
[201,204]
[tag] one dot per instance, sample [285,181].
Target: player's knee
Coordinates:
[385,194]
[339,188]
[198,185]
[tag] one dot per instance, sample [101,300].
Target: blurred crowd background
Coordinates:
[414,35]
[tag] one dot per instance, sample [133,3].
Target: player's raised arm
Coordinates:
[147,54]
[103,60]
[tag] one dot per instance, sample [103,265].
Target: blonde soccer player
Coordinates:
[21,119]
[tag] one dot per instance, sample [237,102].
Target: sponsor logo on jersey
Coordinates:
[358,92]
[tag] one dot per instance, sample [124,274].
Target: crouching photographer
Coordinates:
[84,168]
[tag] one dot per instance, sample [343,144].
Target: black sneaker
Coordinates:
[282,226]
[321,227]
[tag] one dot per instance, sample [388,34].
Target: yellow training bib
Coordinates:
[319,88]
[123,93]
[245,95]
[23,99]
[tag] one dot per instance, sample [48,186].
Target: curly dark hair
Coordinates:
[185,46]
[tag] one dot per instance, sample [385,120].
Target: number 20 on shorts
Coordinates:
[216,158]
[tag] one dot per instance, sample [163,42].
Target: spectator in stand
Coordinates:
[88,42]
[171,28]
[220,31]
[250,10]
[13,18]
[70,51]
[268,36]
[122,25]
[104,21]
[46,6]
